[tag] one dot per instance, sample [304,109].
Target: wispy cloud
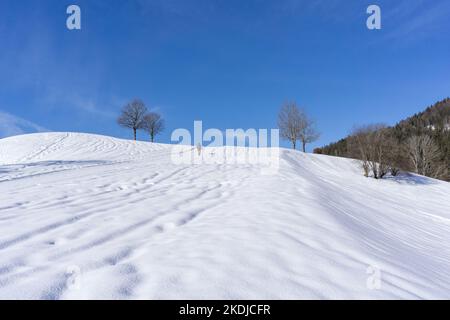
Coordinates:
[11,125]
[56,78]
[86,103]
[418,19]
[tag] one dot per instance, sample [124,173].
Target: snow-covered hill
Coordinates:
[85,216]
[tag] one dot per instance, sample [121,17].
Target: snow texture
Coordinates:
[93,217]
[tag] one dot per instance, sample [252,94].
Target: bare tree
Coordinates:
[380,151]
[132,116]
[153,123]
[289,122]
[295,125]
[396,155]
[425,157]
[308,131]
[373,146]
[358,143]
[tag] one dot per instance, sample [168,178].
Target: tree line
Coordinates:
[135,116]
[420,144]
[293,122]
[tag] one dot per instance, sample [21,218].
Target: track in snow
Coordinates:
[138,226]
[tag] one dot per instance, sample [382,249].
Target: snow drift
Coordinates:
[85,216]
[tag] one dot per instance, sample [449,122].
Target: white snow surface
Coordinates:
[93,217]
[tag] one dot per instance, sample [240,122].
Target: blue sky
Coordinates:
[230,63]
